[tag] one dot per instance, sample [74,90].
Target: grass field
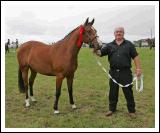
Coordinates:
[90,91]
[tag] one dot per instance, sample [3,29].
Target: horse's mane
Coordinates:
[68,34]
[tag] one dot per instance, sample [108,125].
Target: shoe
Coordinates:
[132,115]
[109,113]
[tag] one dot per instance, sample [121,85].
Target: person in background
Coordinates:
[16,43]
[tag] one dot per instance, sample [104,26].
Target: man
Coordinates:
[120,52]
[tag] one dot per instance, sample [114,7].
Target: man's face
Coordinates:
[119,33]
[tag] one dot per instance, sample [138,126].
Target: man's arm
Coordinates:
[138,66]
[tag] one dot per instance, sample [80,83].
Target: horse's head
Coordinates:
[90,35]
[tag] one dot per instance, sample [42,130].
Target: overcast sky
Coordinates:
[49,23]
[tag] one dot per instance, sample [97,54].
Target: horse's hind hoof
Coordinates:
[33,99]
[27,102]
[27,105]
[74,106]
[56,112]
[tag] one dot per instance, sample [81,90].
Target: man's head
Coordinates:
[119,33]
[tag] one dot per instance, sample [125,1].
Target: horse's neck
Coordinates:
[72,44]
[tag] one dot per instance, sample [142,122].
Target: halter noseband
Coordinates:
[91,40]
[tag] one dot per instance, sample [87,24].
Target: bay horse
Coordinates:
[58,60]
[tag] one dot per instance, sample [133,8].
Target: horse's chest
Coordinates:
[66,66]
[71,67]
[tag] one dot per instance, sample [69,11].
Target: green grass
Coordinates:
[90,90]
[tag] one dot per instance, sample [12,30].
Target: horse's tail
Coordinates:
[20,82]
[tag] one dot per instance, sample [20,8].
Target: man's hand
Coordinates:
[97,52]
[138,66]
[138,72]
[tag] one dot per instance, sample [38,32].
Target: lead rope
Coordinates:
[135,78]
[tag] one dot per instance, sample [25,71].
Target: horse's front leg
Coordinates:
[70,90]
[59,80]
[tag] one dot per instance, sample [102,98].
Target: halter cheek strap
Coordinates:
[79,42]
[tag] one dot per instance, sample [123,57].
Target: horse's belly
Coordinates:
[48,73]
[44,69]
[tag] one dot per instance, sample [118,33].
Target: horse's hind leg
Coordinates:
[59,80]
[70,90]
[31,81]
[25,80]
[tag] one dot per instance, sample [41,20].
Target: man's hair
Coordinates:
[118,28]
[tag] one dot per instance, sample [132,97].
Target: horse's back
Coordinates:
[28,48]
[37,56]
[30,44]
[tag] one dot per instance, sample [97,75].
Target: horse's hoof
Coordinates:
[56,112]
[33,99]
[74,106]
[27,103]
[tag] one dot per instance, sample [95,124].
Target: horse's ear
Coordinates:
[92,22]
[86,23]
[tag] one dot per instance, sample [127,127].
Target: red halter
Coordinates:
[79,42]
